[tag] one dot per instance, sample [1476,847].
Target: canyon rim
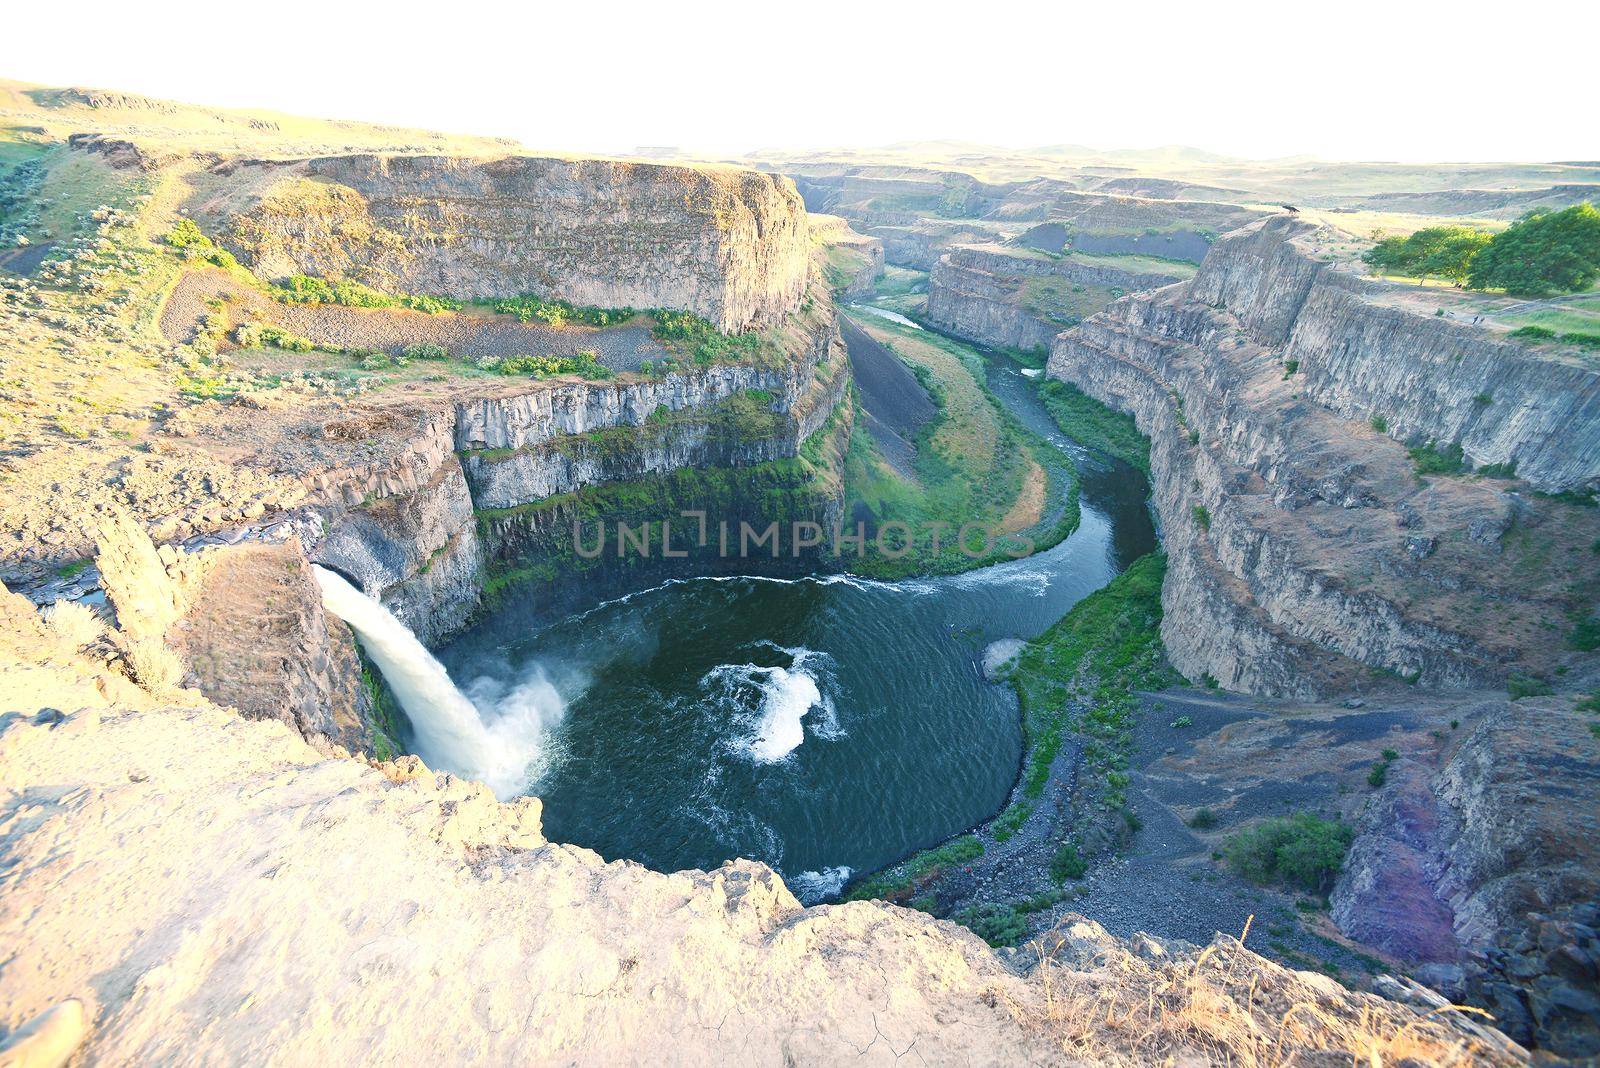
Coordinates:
[941,601]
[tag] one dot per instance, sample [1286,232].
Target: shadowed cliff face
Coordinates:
[731,246]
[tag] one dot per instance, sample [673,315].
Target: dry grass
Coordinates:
[73,623]
[1226,1005]
[153,665]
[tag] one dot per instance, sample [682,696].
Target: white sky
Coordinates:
[1349,80]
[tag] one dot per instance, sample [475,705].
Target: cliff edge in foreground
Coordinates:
[212,890]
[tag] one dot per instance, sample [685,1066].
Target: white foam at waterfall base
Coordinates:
[786,695]
[505,751]
[814,886]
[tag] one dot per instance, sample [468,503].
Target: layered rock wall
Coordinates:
[980,293]
[1430,378]
[729,245]
[411,529]
[1304,550]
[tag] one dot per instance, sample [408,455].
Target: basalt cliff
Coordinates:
[1357,496]
[729,245]
[1282,399]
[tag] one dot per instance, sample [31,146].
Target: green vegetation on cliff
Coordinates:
[1088,422]
[536,542]
[1543,252]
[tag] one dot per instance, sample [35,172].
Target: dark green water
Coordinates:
[817,724]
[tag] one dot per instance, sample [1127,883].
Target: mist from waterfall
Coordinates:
[504,750]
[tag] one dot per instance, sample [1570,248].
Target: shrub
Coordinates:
[1290,368]
[529,308]
[1067,863]
[1302,850]
[705,343]
[1182,721]
[1585,637]
[1431,459]
[425,351]
[74,623]
[255,335]
[304,289]
[585,364]
[1533,333]
[1483,400]
[1202,517]
[186,235]
[153,665]
[998,925]
[1203,819]
[1379,423]
[1520,686]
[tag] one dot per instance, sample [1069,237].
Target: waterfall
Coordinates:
[452,733]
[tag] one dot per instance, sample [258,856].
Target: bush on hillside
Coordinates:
[1543,252]
[1303,850]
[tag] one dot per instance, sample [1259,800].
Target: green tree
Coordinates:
[1543,252]
[1434,252]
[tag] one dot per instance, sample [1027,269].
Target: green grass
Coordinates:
[1088,422]
[900,290]
[971,464]
[841,264]
[900,881]
[1080,676]
[1065,303]
[1138,264]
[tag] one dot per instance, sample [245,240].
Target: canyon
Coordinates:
[1376,514]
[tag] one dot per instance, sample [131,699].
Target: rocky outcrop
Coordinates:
[1304,551]
[147,599]
[257,638]
[852,262]
[729,245]
[1017,298]
[1429,378]
[1483,871]
[252,871]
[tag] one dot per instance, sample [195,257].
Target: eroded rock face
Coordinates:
[1292,529]
[406,528]
[981,293]
[729,245]
[147,599]
[257,638]
[1484,871]
[1429,378]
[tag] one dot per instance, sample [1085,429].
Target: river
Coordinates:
[824,725]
